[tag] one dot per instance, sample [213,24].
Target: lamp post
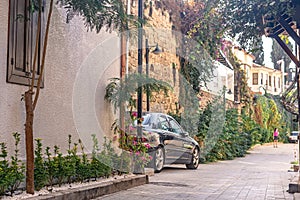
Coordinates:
[140,68]
[155,51]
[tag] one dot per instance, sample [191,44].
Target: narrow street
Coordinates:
[262,174]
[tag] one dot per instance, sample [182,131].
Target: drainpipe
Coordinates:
[298,91]
[127,41]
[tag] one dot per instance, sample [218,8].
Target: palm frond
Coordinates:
[120,91]
[98,14]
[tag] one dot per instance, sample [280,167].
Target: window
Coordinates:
[163,123]
[279,83]
[175,127]
[22,31]
[261,78]
[255,79]
[274,81]
[270,81]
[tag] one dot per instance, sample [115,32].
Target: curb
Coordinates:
[97,190]
[294,186]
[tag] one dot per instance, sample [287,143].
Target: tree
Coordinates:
[244,19]
[96,14]
[30,104]
[278,54]
[259,53]
[201,34]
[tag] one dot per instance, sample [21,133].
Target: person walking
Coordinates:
[275,137]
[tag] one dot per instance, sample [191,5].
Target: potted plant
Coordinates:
[295,166]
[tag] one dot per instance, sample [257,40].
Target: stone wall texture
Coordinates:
[164,66]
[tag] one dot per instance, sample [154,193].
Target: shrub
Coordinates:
[40,173]
[59,169]
[4,169]
[83,166]
[70,161]
[17,168]
[50,168]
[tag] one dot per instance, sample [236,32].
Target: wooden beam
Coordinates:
[289,30]
[287,50]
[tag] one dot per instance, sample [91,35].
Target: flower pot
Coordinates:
[137,166]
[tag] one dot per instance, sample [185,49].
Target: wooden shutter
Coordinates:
[22,29]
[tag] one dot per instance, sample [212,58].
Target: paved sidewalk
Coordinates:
[262,174]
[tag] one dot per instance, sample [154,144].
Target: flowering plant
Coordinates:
[133,117]
[138,147]
[139,151]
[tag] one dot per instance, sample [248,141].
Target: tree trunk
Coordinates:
[30,104]
[29,143]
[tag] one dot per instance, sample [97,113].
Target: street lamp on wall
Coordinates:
[156,51]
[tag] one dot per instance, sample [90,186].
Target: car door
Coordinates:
[168,139]
[184,144]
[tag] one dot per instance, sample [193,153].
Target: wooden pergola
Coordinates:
[288,25]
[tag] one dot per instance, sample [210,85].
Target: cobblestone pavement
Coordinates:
[262,174]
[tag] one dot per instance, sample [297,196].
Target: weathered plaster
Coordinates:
[69,47]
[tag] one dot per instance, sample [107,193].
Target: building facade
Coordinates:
[77,68]
[260,79]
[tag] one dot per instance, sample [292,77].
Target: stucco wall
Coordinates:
[78,65]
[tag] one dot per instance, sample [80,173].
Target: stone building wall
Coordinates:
[164,66]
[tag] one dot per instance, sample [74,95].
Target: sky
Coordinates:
[267,45]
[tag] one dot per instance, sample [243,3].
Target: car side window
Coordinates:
[163,123]
[175,127]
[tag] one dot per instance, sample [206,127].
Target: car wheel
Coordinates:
[159,159]
[195,159]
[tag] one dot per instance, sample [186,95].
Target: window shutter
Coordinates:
[21,42]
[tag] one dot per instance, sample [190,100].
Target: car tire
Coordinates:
[159,159]
[195,159]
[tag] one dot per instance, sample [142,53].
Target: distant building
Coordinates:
[264,79]
[260,78]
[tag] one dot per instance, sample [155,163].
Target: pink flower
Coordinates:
[134,143]
[148,146]
[131,128]
[137,153]
[134,114]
